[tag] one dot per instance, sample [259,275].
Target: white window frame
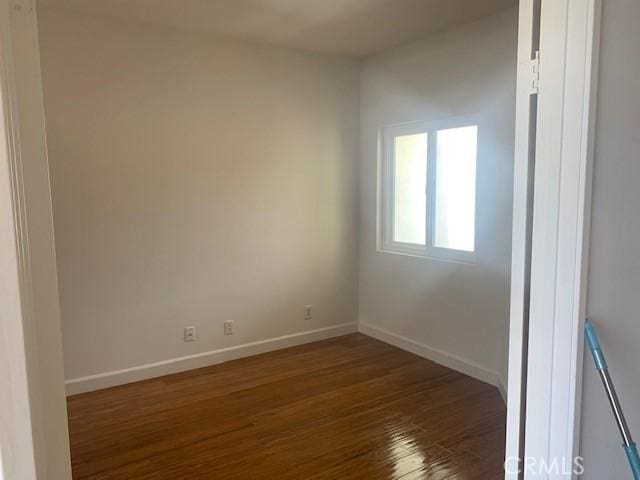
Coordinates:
[386,164]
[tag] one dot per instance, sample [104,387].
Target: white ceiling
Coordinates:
[347,27]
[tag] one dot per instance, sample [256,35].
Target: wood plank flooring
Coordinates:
[345,408]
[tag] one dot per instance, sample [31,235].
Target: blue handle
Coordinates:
[594,345]
[634,459]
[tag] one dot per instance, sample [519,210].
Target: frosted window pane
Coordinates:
[410,178]
[456,188]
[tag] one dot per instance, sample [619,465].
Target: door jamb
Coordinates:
[569,47]
[37,446]
[522,191]
[17,442]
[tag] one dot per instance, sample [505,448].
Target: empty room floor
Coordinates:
[345,408]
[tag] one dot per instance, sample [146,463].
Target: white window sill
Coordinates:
[453,256]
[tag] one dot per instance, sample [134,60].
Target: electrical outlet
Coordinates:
[308,312]
[189,334]
[228,327]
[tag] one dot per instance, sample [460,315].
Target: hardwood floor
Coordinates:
[345,408]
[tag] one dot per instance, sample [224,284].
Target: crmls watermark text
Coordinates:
[544,466]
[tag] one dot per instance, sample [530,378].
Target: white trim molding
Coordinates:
[561,211]
[24,113]
[204,359]
[454,362]
[524,157]
[17,449]
[502,388]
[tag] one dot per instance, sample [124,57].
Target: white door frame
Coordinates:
[569,40]
[17,452]
[36,444]
[562,179]
[522,190]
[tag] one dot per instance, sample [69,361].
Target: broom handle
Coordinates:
[601,365]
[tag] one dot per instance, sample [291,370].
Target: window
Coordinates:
[409,200]
[428,190]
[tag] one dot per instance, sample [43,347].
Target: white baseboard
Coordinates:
[205,359]
[199,360]
[502,387]
[449,360]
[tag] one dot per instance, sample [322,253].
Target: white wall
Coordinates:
[453,309]
[195,180]
[614,268]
